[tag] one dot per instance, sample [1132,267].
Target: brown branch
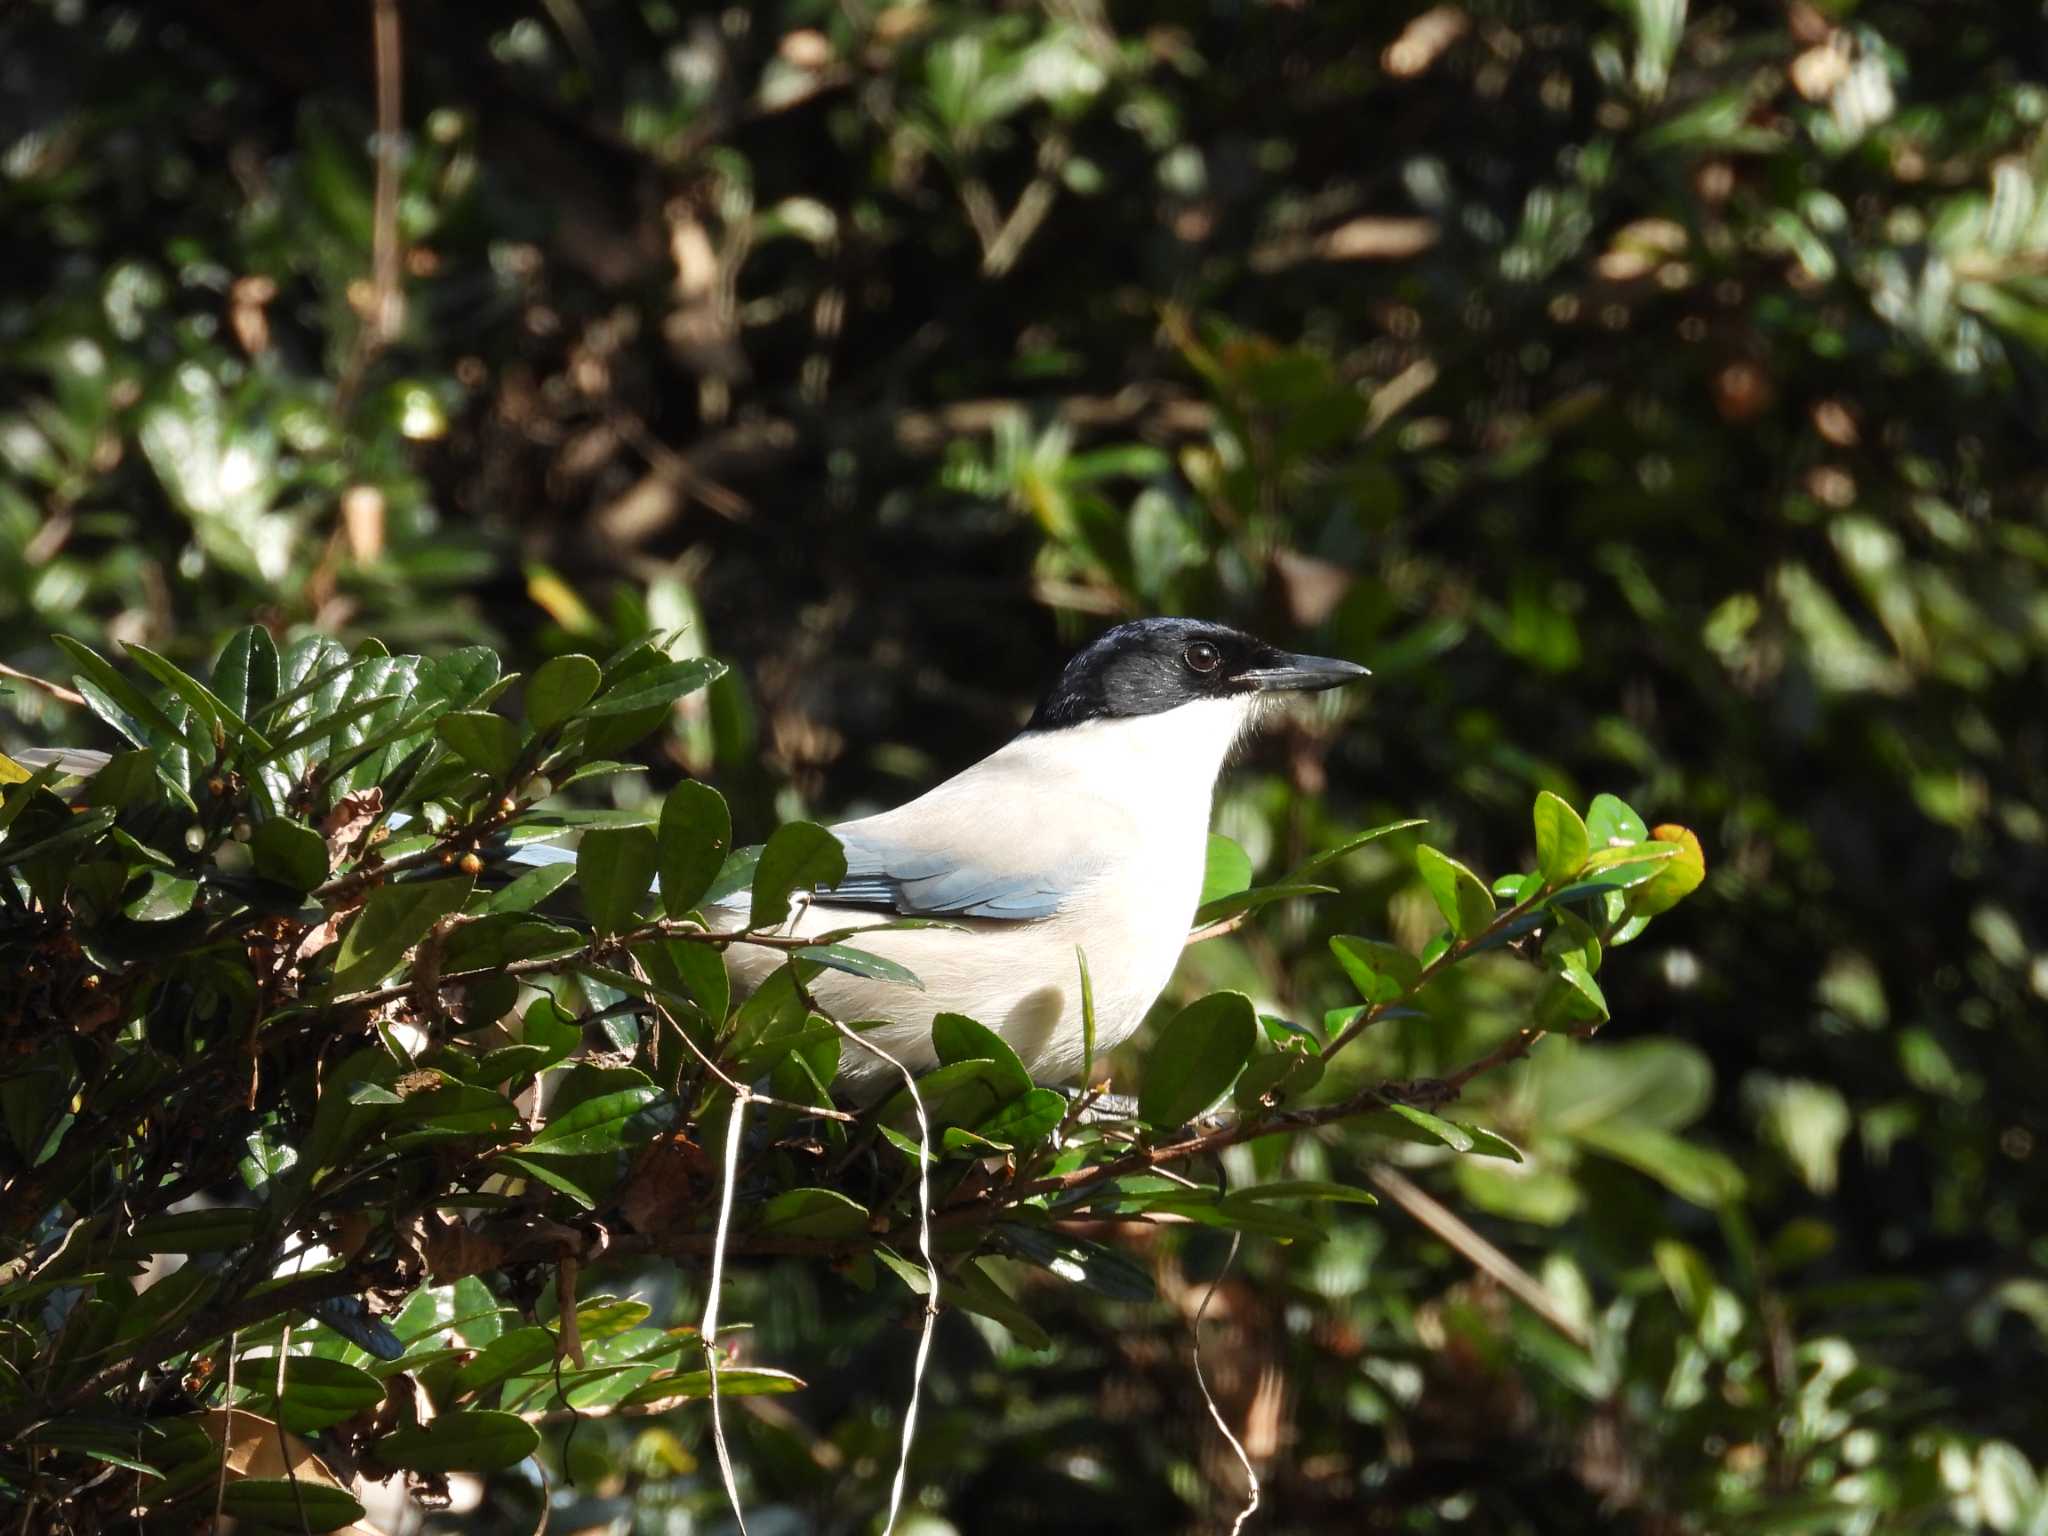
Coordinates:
[1476,1250]
[56,691]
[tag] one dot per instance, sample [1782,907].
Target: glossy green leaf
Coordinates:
[1026,1120]
[1613,823]
[561,686]
[279,1503]
[1078,1261]
[955,1037]
[289,852]
[1328,856]
[1459,894]
[1227,871]
[859,962]
[460,1440]
[1196,1058]
[1562,841]
[489,743]
[733,1381]
[657,687]
[317,1392]
[596,1125]
[815,1213]
[800,856]
[529,889]
[1250,901]
[516,1352]
[392,921]
[695,833]
[614,870]
[1431,1127]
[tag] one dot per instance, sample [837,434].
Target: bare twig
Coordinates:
[1480,1253]
[56,691]
[1236,1445]
[709,1330]
[931,1268]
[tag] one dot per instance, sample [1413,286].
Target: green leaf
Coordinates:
[105,1438]
[1561,839]
[1381,972]
[515,1353]
[461,1440]
[858,962]
[1087,1016]
[245,673]
[1460,895]
[1581,982]
[1693,1173]
[289,852]
[614,868]
[1349,846]
[290,1504]
[657,687]
[800,856]
[955,1037]
[562,1182]
[395,918]
[560,688]
[1077,1261]
[1282,1075]
[963,1093]
[1250,901]
[819,1213]
[25,843]
[207,1231]
[1196,1058]
[200,699]
[487,742]
[1026,1120]
[970,1287]
[1432,1127]
[696,830]
[145,723]
[318,1392]
[733,1381]
[596,1125]
[1228,870]
[1676,878]
[528,890]
[1306,1189]
[1613,823]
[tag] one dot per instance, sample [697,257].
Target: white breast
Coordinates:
[1137,794]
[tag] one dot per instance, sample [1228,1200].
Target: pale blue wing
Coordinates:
[921,882]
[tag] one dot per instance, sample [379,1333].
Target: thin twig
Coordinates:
[56,691]
[931,1268]
[1480,1253]
[709,1331]
[1217,929]
[1237,1446]
[384,212]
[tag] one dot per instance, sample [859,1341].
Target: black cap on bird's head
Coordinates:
[1152,665]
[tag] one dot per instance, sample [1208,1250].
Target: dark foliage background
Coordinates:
[1652,396]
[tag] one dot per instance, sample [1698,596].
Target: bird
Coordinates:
[1084,835]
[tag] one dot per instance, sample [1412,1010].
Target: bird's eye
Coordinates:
[1202,657]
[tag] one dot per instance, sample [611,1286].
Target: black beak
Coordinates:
[1283,672]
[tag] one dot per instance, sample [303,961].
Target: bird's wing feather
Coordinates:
[918,882]
[992,842]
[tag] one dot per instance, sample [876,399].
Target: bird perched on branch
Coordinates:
[1086,834]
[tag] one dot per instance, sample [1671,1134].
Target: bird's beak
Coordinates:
[1284,672]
